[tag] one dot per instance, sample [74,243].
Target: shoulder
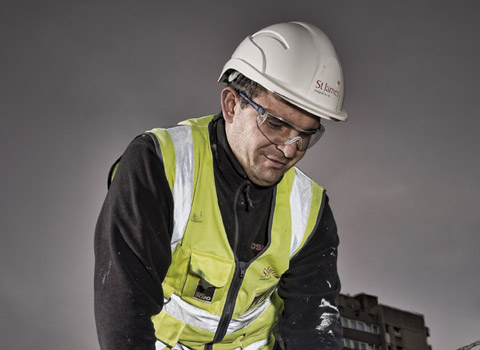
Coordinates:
[141,149]
[142,145]
[325,234]
[139,157]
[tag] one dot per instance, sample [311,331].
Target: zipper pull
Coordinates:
[243,268]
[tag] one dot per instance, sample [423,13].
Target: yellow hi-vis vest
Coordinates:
[204,280]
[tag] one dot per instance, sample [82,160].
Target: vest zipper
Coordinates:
[239,274]
[229,307]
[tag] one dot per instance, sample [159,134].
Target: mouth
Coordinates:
[276,163]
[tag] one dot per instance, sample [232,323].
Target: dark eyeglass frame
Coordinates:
[263,114]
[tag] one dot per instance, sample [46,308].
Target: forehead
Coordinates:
[285,110]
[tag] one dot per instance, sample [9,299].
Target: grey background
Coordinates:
[80,79]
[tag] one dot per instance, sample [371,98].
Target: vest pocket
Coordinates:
[261,295]
[206,282]
[167,328]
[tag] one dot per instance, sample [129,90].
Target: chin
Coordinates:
[269,182]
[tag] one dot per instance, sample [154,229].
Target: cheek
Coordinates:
[248,137]
[241,127]
[240,139]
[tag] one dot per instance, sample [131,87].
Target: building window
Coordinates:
[396,331]
[387,338]
[352,324]
[360,325]
[358,345]
[368,327]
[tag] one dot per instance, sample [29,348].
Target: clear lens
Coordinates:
[280,132]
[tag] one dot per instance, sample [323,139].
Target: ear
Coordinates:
[229,100]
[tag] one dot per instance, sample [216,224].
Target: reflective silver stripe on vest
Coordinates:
[256,345]
[202,319]
[183,186]
[300,202]
[159,345]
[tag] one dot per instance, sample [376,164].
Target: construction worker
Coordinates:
[209,237]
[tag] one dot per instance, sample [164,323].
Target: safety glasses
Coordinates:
[279,131]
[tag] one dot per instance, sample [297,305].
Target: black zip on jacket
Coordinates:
[132,251]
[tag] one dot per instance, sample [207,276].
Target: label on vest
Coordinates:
[204,294]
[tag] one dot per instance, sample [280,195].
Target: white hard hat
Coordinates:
[296,61]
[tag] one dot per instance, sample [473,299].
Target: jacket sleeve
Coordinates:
[309,288]
[132,249]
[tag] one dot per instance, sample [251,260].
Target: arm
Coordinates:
[309,288]
[132,250]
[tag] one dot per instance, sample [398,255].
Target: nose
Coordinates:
[288,150]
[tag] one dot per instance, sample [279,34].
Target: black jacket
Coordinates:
[132,251]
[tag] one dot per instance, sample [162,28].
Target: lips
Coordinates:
[276,163]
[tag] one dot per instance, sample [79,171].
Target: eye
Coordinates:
[275,123]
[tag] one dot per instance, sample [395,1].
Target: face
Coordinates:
[263,162]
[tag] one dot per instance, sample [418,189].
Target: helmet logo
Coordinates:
[325,89]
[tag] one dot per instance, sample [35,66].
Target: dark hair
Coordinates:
[250,88]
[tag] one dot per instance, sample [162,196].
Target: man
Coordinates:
[209,237]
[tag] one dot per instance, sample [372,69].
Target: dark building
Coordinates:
[368,325]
